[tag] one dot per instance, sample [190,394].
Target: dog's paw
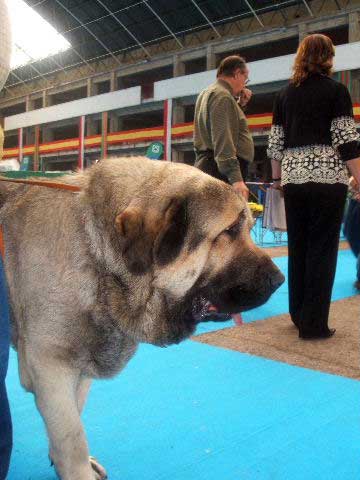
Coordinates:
[99,470]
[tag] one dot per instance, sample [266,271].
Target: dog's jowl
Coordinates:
[131,258]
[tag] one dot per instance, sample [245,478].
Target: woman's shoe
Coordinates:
[317,336]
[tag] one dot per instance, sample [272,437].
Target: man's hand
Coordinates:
[240,187]
[353,183]
[245,96]
[354,189]
[277,185]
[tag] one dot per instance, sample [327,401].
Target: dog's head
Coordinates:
[173,238]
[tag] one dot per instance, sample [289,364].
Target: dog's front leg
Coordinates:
[82,393]
[55,391]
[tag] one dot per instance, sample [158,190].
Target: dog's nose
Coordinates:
[276,279]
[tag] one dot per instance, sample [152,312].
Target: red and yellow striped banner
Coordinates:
[262,120]
[182,130]
[356,109]
[133,136]
[258,121]
[59,146]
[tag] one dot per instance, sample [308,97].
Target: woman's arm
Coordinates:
[344,135]
[354,167]
[275,148]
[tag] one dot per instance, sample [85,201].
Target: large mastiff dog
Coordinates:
[131,258]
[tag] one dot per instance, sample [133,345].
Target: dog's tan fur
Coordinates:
[93,274]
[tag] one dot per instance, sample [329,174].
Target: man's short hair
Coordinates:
[229,65]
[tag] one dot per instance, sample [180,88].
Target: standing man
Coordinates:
[223,144]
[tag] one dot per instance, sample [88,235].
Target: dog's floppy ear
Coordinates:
[136,244]
[171,238]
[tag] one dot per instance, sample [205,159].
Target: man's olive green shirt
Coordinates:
[220,126]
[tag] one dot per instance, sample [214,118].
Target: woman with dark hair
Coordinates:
[312,145]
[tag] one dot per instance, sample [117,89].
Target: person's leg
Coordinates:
[352,234]
[297,225]
[5,419]
[357,283]
[326,212]
[352,226]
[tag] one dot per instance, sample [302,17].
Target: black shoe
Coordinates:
[294,321]
[317,336]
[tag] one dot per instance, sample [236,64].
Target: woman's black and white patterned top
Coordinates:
[313,132]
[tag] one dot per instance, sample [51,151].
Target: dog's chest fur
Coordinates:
[108,349]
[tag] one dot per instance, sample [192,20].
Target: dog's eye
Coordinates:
[233,230]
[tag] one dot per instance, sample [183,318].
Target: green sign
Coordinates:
[25,164]
[155,150]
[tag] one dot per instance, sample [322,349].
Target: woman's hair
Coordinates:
[314,55]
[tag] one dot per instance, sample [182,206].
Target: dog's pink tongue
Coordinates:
[237,317]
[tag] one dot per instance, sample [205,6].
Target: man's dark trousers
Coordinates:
[352,230]
[5,418]
[205,162]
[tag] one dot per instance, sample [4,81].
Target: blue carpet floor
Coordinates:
[197,412]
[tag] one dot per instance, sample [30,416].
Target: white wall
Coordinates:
[262,71]
[76,108]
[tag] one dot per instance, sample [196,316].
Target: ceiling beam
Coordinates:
[89,31]
[206,18]
[164,24]
[254,13]
[125,28]
[308,8]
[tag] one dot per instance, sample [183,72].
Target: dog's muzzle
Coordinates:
[236,298]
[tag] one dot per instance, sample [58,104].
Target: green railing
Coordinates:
[27,174]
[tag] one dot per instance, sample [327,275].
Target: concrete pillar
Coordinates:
[355,87]
[114,122]
[36,160]
[90,126]
[81,142]
[210,58]
[44,99]
[355,94]
[104,134]
[303,31]
[47,102]
[29,136]
[20,144]
[178,116]
[29,102]
[178,67]
[177,156]
[91,87]
[47,134]
[354,27]
[113,81]
[167,129]
[178,112]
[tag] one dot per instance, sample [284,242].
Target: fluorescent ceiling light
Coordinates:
[33,38]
